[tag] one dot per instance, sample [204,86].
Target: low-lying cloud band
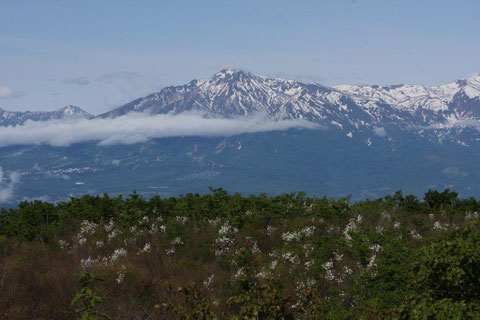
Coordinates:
[138,127]
[7,184]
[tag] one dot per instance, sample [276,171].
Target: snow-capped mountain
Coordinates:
[377,140]
[445,104]
[13,118]
[233,93]
[449,112]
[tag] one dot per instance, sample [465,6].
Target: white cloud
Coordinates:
[380,131]
[138,127]
[7,184]
[7,92]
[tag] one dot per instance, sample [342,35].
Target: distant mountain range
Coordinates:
[13,118]
[377,139]
[448,110]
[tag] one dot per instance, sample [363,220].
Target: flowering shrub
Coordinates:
[223,256]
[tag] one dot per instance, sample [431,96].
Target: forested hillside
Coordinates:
[228,256]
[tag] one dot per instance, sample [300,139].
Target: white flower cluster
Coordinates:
[182,219]
[118,254]
[415,234]
[469,215]
[328,267]
[274,264]
[385,216]
[225,241]
[154,229]
[290,257]
[308,247]
[309,264]
[112,230]
[109,227]
[255,248]
[129,241]
[372,263]
[105,261]
[351,226]
[113,234]
[63,244]
[437,226]
[337,256]
[240,272]
[86,229]
[121,274]
[208,282]
[146,248]
[215,222]
[270,230]
[227,228]
[222,245]
[347,270]
[88,262]
[175,242]
[309,284]
[298,234]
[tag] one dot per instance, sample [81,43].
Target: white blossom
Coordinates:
[63,244]
[121,274]
[182,219]
[255,248]
[207,283]
[117,254]
[291,257]
[88,262]
[109,227]
[309,264]
[146,248]
[177,241]
[274,264]
[415,235]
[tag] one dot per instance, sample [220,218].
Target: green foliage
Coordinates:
[258,257]
[85,303]
[447,276]
[195,307]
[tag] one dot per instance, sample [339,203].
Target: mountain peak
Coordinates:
[230,73]
[71,110]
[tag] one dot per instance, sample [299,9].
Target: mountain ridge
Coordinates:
[13,118]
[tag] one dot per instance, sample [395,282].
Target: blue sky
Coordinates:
[101,54]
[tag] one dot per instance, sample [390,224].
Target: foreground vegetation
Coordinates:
[222,256]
